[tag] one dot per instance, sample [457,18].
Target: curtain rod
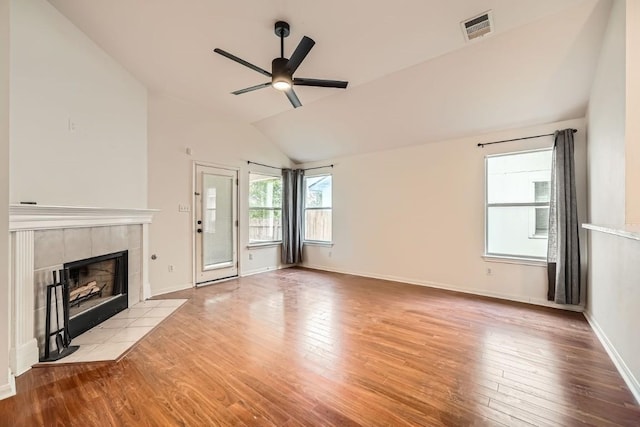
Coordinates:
[249,162]
[318,167]
[482,144]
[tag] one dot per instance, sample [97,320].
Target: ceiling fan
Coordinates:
[282,69]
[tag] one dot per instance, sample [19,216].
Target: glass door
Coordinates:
[216,224]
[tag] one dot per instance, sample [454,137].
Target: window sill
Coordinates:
[316,243]
[263,245]
[515,260]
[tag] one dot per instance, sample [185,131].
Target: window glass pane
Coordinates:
[265,208]
[511,231]
[265,225]
[542,191]
[317,225]
[542,222]
[522,178]
[318,191]
[265,191]
[317,214]
[518,178]
[217,227]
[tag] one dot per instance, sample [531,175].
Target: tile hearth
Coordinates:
[116,335]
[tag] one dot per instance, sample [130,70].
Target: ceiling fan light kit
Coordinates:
[282,69]
[280,75]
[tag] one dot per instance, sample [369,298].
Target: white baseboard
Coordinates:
[9,389]
[448,287]
[23,357]
[263,270]
[628,377]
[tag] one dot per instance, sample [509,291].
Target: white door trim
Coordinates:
[194,203]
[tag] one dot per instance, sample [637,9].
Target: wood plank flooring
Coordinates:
[300,347]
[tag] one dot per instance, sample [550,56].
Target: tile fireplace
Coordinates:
[50,238]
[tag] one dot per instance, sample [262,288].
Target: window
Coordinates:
[265,208]
[317,208]
[517,205]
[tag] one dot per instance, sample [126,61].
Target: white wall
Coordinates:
[6,381]
[417,215]
[632,126]
[58,75]
[51,75]
[613,304]
[606,124]
[174,126]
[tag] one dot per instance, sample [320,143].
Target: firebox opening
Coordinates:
[97,290]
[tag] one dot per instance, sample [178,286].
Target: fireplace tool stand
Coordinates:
[62,338]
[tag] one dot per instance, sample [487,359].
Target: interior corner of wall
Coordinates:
[627,375]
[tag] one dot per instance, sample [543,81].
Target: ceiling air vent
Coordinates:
[477,26]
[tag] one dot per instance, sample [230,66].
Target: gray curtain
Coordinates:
[563,254]
[292,211]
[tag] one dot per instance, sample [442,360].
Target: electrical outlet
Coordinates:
[184,208]
[489,272]
[170,268]
[250,257]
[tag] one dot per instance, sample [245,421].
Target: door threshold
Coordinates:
[213,282]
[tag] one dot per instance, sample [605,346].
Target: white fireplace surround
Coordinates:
[24,221]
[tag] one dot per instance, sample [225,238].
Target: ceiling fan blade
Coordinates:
[300,53]
[338,84]
[251,89]
[242,61]
[293,98]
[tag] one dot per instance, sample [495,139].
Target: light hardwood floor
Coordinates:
[300,347]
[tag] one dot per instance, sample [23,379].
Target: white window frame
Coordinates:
[259,243]
[304,212]
[509,257]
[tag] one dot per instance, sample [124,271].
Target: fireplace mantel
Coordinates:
[44,217]
[25,221]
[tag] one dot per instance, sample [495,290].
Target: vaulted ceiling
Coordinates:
[412,77]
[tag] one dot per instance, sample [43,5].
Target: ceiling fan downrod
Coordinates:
[282,30]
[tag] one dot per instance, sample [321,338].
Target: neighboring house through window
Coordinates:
[517,204]
[265,208]
[541,189]
[317,208]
